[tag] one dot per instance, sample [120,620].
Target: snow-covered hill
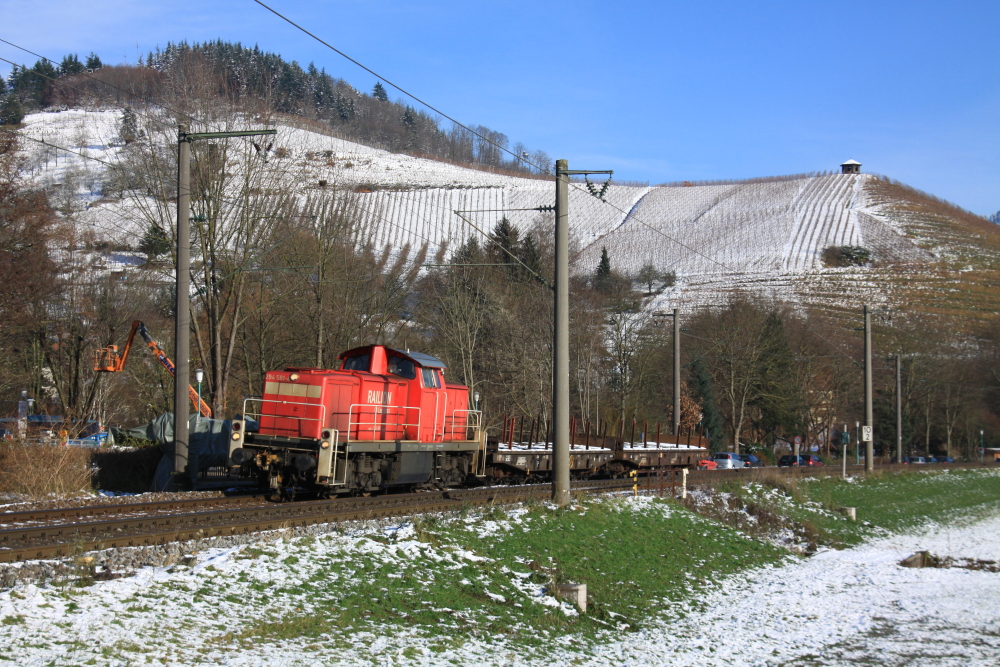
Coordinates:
[766,237]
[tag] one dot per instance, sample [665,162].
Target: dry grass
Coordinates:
[35,471]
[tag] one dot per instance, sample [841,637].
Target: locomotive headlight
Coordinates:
[236,436]
[293,377]
[325,444]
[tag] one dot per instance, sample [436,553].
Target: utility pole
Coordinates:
[899,409]
[560,366]
[869,445]
[182,323]
[677,375]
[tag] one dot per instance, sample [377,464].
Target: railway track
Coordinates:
[66,514]
[69,531]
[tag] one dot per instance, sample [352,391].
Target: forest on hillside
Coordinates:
[264,82]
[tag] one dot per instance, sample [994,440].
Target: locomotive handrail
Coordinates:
[322,410]
[477,424]
[336,452]
[385,423]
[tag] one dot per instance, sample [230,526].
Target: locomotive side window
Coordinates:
[404,368]
[361,362]
[430,378]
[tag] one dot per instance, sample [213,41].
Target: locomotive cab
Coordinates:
[383,418]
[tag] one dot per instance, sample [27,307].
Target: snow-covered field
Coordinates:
[855,606]
[764,237]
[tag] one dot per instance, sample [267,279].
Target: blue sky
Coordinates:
[657,91]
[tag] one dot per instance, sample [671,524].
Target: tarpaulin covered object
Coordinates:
[208,446]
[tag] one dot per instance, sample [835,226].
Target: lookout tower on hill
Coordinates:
[851,167]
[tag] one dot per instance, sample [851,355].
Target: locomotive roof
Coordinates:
[425,360]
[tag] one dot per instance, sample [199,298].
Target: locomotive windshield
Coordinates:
[430,378]
[404,368]
[361,362]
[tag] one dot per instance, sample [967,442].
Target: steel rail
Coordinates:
[28,516]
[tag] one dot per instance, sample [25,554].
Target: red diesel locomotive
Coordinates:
[384,418]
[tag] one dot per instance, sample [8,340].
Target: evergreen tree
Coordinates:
[711,418]
[468,253]
[3,88]
[155,242]
[504,242]
[603,276]
[93,62]
[33,85]
[530,258]
[779,404]
[128,127]
[12,113]
[378,92]
[70,65]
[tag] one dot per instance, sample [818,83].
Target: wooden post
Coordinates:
[586,438]
[631,438]
[520,438]
[572,432]
[658,435]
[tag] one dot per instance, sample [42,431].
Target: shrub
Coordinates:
[36,471]
[846,255]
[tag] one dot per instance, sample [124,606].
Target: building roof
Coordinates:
[850,162]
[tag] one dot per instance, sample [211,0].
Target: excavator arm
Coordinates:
[108,360]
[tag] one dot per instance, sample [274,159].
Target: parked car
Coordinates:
[707,464]
[914,459]
[728,460]
[940,459]
[751,461]
[810,460]
[790,461]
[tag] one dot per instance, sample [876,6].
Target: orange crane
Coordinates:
[108,360]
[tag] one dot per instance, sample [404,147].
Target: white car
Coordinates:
[727,461]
